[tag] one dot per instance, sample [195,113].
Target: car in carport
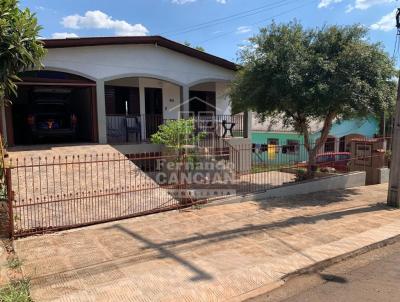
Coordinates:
[51,116]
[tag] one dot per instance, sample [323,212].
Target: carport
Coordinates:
[75,93]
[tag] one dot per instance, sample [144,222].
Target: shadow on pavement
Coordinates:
[170,249]
[164,253]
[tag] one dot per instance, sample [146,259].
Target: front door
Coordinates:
[154,110]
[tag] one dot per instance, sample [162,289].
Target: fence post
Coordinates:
[247,124]
[9,202]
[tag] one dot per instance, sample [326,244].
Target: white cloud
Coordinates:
[326,3]
[365,4]
[386,23]
[64,35]
[98,20]
[243,29]
[349,8]
[358,4]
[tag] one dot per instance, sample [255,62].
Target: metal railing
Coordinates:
[54,193]
[138,128]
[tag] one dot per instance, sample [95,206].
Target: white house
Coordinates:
[121,89]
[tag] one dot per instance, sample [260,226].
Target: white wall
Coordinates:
[126,82]
[106,63]
[222,99]
[210,86]
[116,61]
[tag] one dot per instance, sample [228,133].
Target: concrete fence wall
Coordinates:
[383,176]
[336,182]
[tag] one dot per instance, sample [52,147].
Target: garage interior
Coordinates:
[65,100]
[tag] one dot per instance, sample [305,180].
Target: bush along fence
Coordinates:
[47,194]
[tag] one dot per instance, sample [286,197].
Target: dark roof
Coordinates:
[157,40]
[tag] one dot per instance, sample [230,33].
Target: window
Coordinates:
[329,145]
[293,146]
[342,144]
[273,141]
[273,145]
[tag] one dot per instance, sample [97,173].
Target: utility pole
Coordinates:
[394,179]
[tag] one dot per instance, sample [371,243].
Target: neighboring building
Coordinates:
[291,144]
[119,89]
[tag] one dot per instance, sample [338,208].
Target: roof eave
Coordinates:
[156,40]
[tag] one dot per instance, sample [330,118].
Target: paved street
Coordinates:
[373,276]
[216,253]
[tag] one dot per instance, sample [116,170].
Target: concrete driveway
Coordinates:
[227,252]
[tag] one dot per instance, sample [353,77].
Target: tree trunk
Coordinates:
[313,150]
[312,163]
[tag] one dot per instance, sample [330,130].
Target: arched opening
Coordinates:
[209,103]
[137,106]
[52,107]
[203,98]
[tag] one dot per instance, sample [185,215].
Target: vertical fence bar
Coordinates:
[10,201]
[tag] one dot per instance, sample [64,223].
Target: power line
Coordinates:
[230,18]
[261,21]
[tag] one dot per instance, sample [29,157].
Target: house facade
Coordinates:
[120,89]
[291,144]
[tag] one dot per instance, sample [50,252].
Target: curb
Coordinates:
[326,263]
[314,268]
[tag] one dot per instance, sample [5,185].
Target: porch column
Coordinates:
[185,100]
[101,112]
[142,102]
[247,123]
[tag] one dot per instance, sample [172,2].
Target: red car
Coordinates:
[337,160]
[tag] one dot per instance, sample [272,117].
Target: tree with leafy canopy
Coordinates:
[20,49]
[177,134]
[180,137]
[305,75]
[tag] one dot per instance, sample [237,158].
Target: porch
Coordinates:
[123,111]
[136,129]
[135,107]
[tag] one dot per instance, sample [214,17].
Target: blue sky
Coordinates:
[220,26]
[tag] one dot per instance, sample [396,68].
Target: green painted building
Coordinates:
[288,147]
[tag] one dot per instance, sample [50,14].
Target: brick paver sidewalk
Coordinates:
[212,254]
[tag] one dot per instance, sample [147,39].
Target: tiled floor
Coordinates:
[212,254]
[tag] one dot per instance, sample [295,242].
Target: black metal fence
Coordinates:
[138,128]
